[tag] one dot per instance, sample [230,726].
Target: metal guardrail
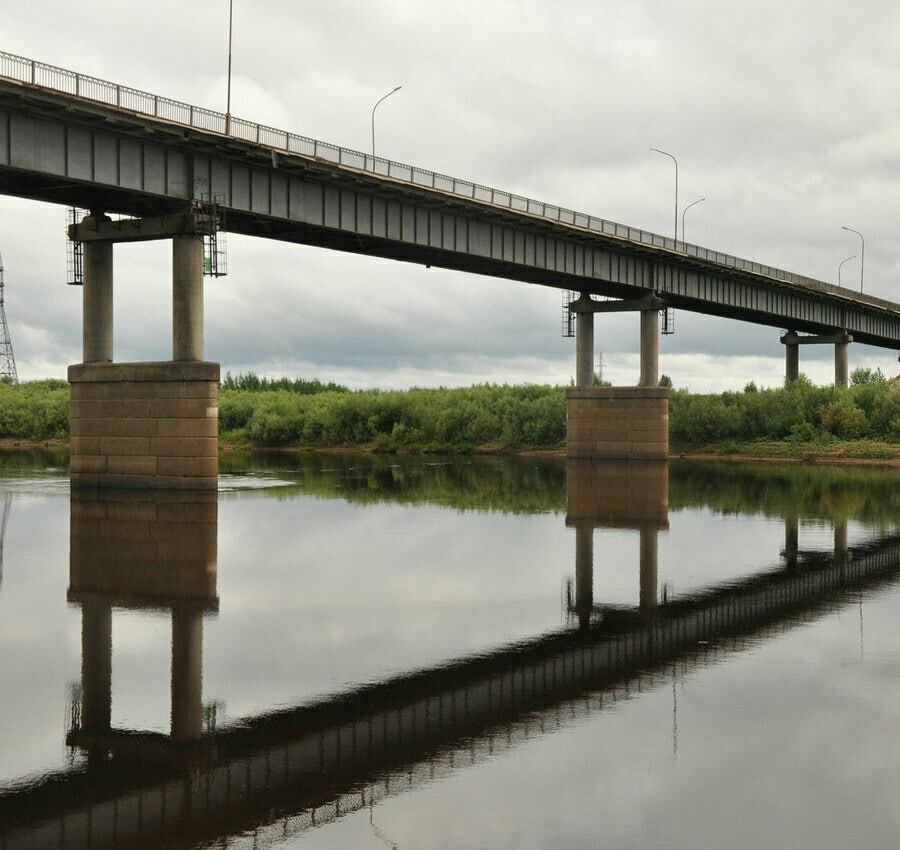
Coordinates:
[90,88]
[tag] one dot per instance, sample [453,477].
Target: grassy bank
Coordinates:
[799,421]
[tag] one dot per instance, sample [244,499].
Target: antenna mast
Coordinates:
[7,360]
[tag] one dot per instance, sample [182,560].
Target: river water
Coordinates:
[367,652]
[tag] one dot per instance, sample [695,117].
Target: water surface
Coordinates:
[503,653]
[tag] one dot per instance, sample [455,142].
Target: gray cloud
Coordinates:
[781,126]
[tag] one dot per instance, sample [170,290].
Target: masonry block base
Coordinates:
[152,425]
[628,423]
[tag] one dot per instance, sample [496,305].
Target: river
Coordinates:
[342,651]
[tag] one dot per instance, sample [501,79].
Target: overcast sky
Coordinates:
[782,115]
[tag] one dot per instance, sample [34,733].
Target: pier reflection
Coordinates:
[295,768]
[615,494]
[145,551]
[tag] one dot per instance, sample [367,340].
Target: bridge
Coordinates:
[175,173]
[288,771]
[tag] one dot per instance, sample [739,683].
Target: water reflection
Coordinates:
[288,770]
[615,494]
[147,551]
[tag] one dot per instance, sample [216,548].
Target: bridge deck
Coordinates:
[80,141]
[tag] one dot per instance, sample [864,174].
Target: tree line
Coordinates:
[262,412]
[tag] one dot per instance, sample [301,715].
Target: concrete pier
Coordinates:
[152,425]
[629,423]
[840,340]
[147,425]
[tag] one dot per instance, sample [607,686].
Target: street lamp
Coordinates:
[228,95]
[841,265]
[693,203]
[666,153]
[862,254]
[373,118]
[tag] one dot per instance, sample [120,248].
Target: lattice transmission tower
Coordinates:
[7,360]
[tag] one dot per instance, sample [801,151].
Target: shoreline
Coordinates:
[705,454]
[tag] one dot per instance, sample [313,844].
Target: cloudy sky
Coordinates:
[782,116]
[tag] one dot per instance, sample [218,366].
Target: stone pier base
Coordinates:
[630,423]
[151,425]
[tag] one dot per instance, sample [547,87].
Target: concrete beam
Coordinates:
[838,337]
[588,305]
[140,229]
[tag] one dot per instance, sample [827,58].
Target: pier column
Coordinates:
[791,357]
[97,298]
[584,349]
[841,364]
[187,297]
[649,348]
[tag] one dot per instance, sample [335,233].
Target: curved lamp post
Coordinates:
[666,153]
[862,254]
[693,203]
[841,265]
[373,117]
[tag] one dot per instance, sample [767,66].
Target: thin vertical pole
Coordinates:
[228,95]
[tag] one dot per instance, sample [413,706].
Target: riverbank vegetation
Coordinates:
[795,421]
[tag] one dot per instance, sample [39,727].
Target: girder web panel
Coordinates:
[327,203]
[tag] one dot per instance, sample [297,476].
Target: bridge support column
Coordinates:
[841,364]
[649,348]
[149,425]
[792,341]
[791,357]
[97,300]
[584,349]
[144,425]
[630,423]
[187,297]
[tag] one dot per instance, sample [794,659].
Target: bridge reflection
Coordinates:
[293,769]
[143,551]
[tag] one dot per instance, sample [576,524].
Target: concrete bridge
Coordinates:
[181,172]
[292,769]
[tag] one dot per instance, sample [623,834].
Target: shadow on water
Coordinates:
[293,769]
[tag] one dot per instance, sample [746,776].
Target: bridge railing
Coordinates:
[90,88]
